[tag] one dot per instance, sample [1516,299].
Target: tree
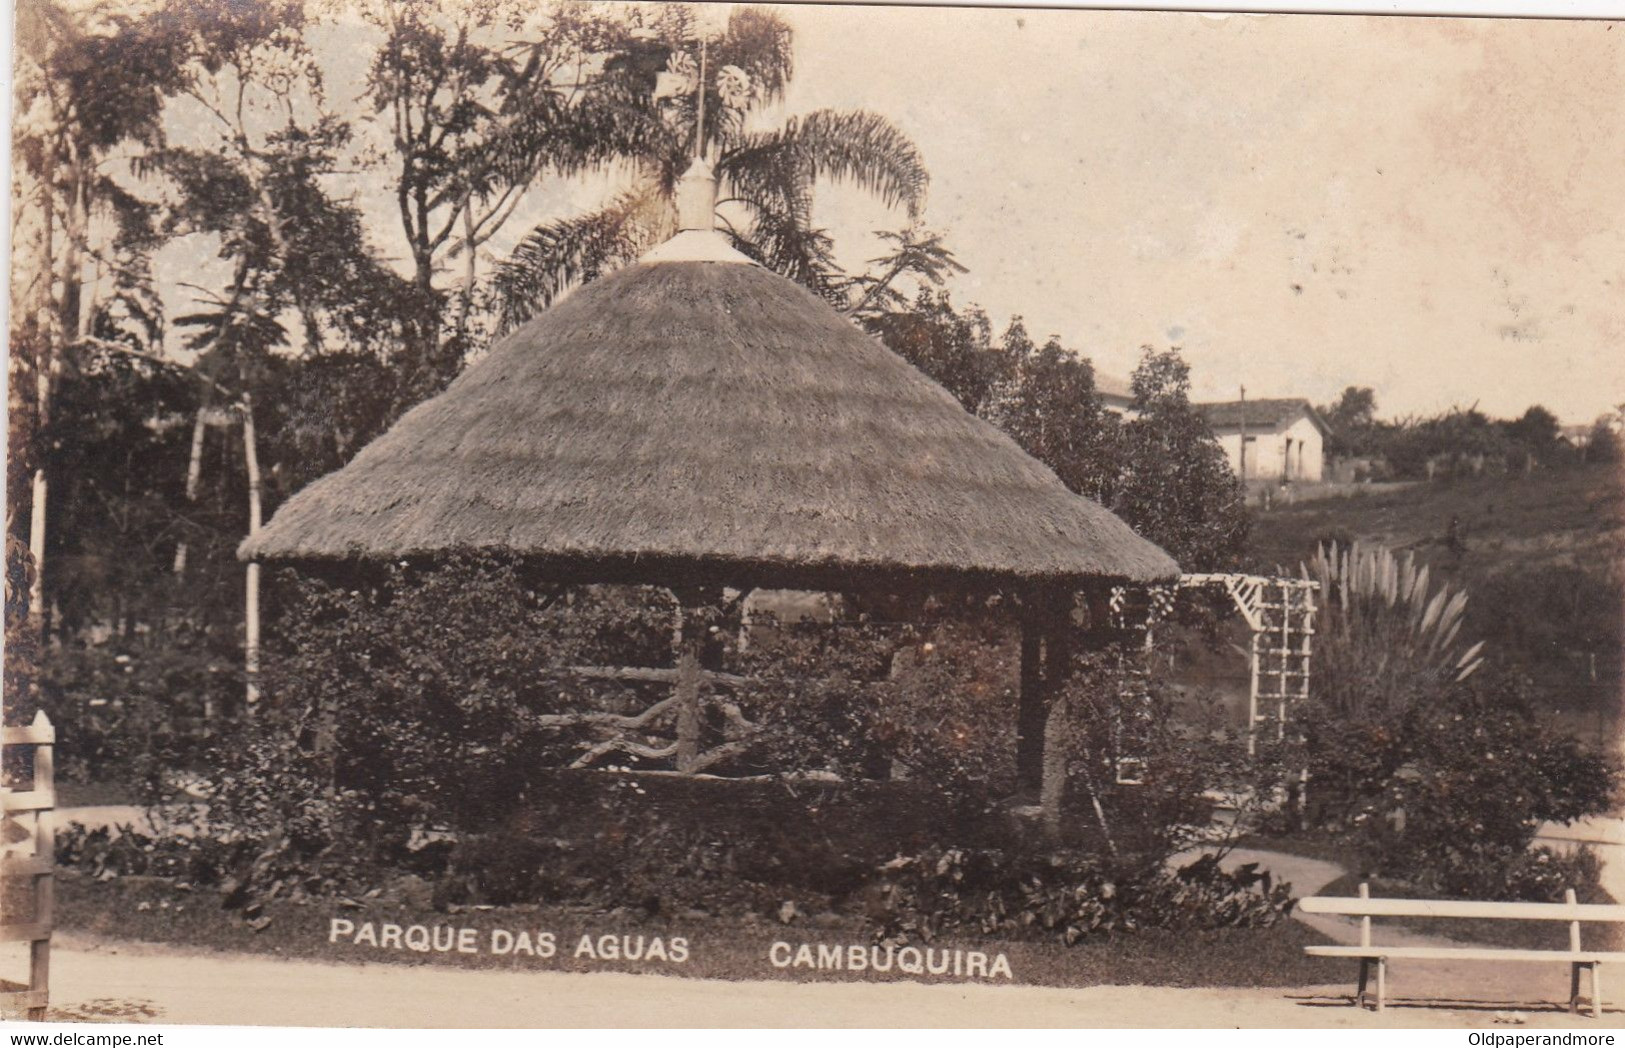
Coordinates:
[1602,443]
[1536,434]
[917,251]
[89,81]
[952,346]
[656,82]
[1049,405]
[1352,420]
[1177,488]
[295,253]
[475,118]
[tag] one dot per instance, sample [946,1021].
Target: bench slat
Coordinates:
[1350,906]
[1468,953]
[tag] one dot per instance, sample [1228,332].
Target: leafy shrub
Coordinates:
[122,851]
[1450,795]
[133,711]
[412,727]
[1066,895]
[1440,774]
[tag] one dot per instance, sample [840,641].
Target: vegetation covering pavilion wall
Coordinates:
[696,421]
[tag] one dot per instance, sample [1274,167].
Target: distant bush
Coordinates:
[131,713]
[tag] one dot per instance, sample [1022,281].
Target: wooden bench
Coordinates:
[1365,908]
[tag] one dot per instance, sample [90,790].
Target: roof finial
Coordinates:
[697,189]
[699,117]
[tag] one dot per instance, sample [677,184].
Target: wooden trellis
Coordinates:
[31,860]
[1132,611]
[1280,613]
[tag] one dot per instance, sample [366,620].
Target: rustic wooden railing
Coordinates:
[631,734]
[31,861]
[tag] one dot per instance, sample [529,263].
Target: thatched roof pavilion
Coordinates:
[697,418]
[714,413]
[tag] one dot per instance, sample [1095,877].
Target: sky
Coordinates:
[1430,207]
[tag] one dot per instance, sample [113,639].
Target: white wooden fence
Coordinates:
[31,862]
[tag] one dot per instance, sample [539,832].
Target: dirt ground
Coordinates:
[138,983]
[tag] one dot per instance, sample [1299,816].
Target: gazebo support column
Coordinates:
[688,642]
[1033,712]
[688,705]
[1050,636]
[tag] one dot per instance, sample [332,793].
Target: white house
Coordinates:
[1269,439]
[1116,393]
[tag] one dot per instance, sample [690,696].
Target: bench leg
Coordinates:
[1596,992]
[1365,972]
[1574,988]
[1382,981]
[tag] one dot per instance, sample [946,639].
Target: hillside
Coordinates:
[1542,558]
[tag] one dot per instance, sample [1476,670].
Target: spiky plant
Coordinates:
[1385,638]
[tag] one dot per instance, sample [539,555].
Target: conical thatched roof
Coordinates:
[715,416]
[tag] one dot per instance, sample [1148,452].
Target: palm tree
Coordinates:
[766,177]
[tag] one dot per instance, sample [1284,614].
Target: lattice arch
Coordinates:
[1280,613]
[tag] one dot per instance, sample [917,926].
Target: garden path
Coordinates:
[1498,986]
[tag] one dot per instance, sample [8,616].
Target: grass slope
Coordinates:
[1541,556]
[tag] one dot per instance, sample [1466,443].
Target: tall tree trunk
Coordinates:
[251,610]
[470,271]
[66,327]
[194,475]
[44,362]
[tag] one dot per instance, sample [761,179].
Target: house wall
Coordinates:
[1294,451]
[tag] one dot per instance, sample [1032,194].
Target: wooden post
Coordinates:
[36,868]
[1031,715]
[1052,786]
[1570,899]
[1252,696]
[1365,941]
[1242,436]
[688,706]
[1286,660]
[687,642]
[39,951]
